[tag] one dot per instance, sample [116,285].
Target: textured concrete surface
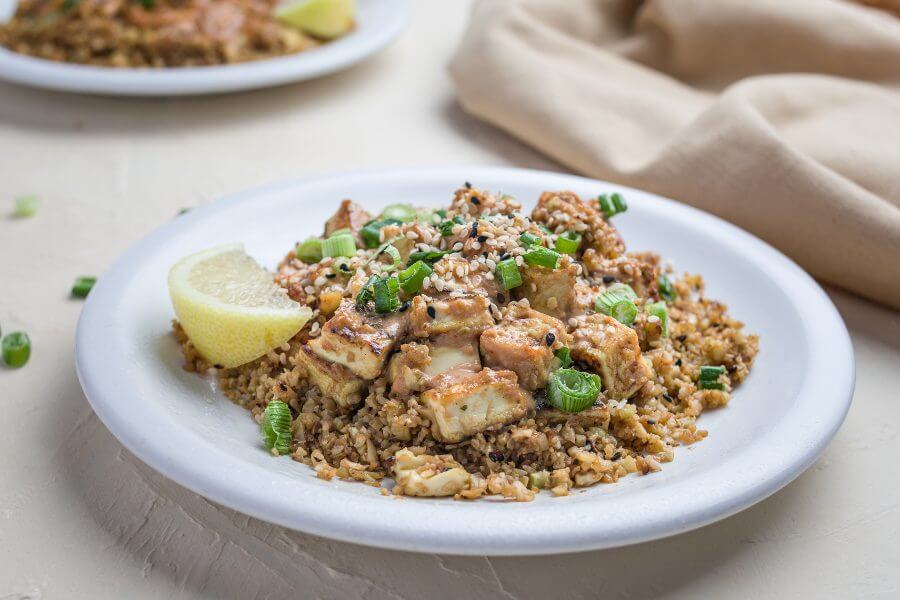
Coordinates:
[82,518]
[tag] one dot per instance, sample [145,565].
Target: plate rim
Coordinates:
[45,74]
[166,461]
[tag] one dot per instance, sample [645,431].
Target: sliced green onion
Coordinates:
[341,266]
[276,427]
[529,239]
[412,277]
[568,243]
[341,244]
[400,212]
[386,292]
[624,311]
[544,228]
[659,310]
[370,234]
[709,377]
[83,286]
[564,355]
[309,251]
[366,293]
[572,391]
[427,256]
[666,289]
[16,349]
[447,226]
[508,274]
[623,290]
[542,257]
[612,205]
[26,206]
[392,251]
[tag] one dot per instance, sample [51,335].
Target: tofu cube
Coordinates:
[333,380]
[563,210]
[551,291]
[524,343]
[359,341]
[612,350]
[467,313]
[476,402]
[349,215]
[435,363]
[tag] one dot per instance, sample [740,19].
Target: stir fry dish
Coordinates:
[472,351]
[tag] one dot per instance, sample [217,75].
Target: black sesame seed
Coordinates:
[330,275]
[468,185]
[475,200]
[282,387]
[496,456]
[668,398]
[501,298]
[405,306]
[474,231]
[482,238]
[345,267]
[678,362]
[218,366]
[550,338]
[681,338]
[651,421]
[431,312]
[503,256]
[617,456]
[609,278]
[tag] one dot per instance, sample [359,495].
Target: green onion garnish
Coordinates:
[612,205]
[386,292]
[392,251]
[428,256]
[447,226]
[16,349]
[26,206]
[572,391]
[659,310]
[542,257]
[508,274]
[709,377]
[341,244]
[618,302]
[564,355]
[309,251]
[624,311]
[529,239]
[568,243]
[400,212]
[371,231]
[276,427]
[412,277]
[666,289]
[83,286]
[366,293]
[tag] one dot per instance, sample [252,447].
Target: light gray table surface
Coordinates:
[80,517]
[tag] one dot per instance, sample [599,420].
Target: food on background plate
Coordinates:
[477,350]
[172,33]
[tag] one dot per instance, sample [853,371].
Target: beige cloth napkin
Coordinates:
[782,116]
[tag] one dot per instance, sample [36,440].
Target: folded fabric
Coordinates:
[782,117]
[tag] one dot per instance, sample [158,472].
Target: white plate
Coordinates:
[775,426]
[378,22]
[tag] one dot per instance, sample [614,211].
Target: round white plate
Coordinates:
[776,425]
[378,22]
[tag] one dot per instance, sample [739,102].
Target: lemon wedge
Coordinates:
[325,19]
[230,307]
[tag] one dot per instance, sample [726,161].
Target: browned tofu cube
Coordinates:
[438,362]
[333,380]
[524,342]
[349,215]
[565,211]
[466,313]
[612,350]
[475,403]
[552,291]
[641,275]
[360,341]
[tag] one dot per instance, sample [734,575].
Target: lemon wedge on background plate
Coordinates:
[230,307]
[322,18]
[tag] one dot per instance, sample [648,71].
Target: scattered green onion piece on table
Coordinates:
[529,239]
[542,257]
[666,289]
[412,277]
[386,292]
[83,286]
[659,310]
[309,251]
[400,212]
[427,256]
[564,355]
[572,391]
[508,274]
[341,244]
[26,206]
[568,243]
[16,349]
[276,427]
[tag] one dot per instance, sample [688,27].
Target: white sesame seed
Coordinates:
[457,246]
[411,235]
